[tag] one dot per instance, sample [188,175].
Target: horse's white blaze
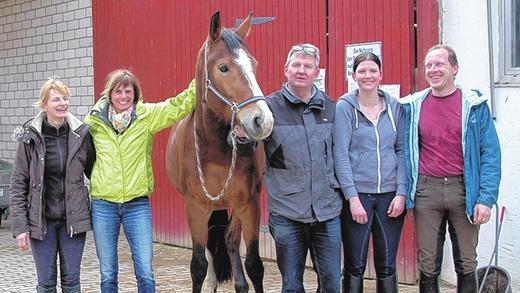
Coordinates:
[245,63]
[210,283]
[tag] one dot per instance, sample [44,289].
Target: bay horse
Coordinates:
[212,170]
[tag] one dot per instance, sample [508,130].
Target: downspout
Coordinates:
[492,86]
[491,58]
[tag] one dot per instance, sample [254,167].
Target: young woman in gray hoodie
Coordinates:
[370,167]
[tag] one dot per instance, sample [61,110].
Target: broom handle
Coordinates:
[497,231]
[495,247]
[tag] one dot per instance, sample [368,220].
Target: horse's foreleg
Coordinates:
[219,264]
[197,221]
[211,282]
[233,238]
[198,267]
[251,224]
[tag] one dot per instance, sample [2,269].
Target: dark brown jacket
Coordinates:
[26,203]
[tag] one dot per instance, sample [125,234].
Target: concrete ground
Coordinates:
[171,265]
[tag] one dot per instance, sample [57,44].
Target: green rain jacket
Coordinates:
[123,167]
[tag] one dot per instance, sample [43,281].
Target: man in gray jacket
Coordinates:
[304,201]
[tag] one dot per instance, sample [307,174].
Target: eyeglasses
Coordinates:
[305,49]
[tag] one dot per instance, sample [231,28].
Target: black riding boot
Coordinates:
[387,285]
[428,284]
[467,283]
[352,284]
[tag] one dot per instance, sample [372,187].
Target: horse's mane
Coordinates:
[233,41]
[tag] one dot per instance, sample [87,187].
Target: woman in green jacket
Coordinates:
[123,129]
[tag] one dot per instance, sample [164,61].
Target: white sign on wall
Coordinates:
[351,51]
[320,80]
[394,90]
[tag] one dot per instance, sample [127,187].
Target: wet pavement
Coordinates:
[171,266]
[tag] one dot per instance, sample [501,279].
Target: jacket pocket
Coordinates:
[78,181]
[79,204]
[333,181]
[420,186]
[285,182]
[388,165]
[329,165]
[329,160]
[356,162]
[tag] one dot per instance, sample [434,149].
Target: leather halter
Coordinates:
[234,109]
[232,104]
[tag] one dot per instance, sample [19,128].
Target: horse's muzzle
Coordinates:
[257,121]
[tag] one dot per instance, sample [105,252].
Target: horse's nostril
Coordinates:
[258,120]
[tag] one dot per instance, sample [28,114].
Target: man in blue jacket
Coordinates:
[453,167]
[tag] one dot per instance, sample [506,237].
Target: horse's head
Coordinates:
[227,82]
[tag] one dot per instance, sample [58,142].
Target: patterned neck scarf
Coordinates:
[120,121]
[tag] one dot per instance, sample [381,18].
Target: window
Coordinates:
[510,42]
[516,34]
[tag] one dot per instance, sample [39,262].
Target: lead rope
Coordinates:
[199,167]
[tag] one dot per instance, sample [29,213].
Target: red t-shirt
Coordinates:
[440,135]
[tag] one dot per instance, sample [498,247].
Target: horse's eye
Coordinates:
[223,68]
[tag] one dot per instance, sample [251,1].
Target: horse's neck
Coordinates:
[210,129]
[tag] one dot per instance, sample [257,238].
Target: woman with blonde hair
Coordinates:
[49,202]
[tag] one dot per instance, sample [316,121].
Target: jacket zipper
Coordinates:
[41,157]
[374,124]
[378,152]
[61,165]
[41,185]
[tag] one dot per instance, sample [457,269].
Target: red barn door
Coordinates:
[159,42]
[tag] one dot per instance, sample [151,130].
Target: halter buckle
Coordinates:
[234,107]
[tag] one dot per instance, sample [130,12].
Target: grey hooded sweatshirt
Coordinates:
[369,156]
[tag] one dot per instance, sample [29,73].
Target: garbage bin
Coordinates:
[5,178]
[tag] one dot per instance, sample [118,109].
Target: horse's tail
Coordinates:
[217,227]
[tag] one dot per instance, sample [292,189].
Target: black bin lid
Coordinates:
[5,171]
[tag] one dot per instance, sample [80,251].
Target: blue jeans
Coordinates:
[386,233]
[136,218]
[293,239]
[70,250]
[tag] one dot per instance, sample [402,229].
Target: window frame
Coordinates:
[508,73]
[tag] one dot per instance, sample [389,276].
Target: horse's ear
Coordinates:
[245,27]
[215,27]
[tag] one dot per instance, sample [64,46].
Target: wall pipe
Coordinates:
[491,58]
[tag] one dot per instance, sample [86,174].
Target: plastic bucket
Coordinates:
[497,280]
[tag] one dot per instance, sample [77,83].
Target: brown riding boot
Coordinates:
[428,284]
